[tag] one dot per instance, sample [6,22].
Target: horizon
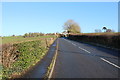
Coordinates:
[49,17]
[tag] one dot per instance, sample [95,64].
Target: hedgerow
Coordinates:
[106,39]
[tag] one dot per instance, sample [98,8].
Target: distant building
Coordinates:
[65,33]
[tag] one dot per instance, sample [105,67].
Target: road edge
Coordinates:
[52,64]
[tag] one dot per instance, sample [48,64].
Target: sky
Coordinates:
[60,0]
[19,18]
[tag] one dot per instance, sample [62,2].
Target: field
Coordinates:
[18,39]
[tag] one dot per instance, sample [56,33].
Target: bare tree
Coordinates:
[71,27]
[108,30]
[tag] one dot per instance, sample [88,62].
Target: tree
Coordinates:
[113,30]
[98,31]
[25,35]
[71,27]
[108,30]
[13,35]
[105,29]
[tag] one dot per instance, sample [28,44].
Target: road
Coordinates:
[80,60]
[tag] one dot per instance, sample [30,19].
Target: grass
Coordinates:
[17,39]
[30,53]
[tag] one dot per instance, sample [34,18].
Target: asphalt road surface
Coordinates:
[80,60]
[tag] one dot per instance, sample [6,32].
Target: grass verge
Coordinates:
[29,53]
[52,64]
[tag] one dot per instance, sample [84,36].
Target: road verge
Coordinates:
[52,64]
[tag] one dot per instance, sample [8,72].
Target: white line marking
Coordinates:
[66,40]
[110,63]
[74,44]
[79,47]
[54,61]
[84,50]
